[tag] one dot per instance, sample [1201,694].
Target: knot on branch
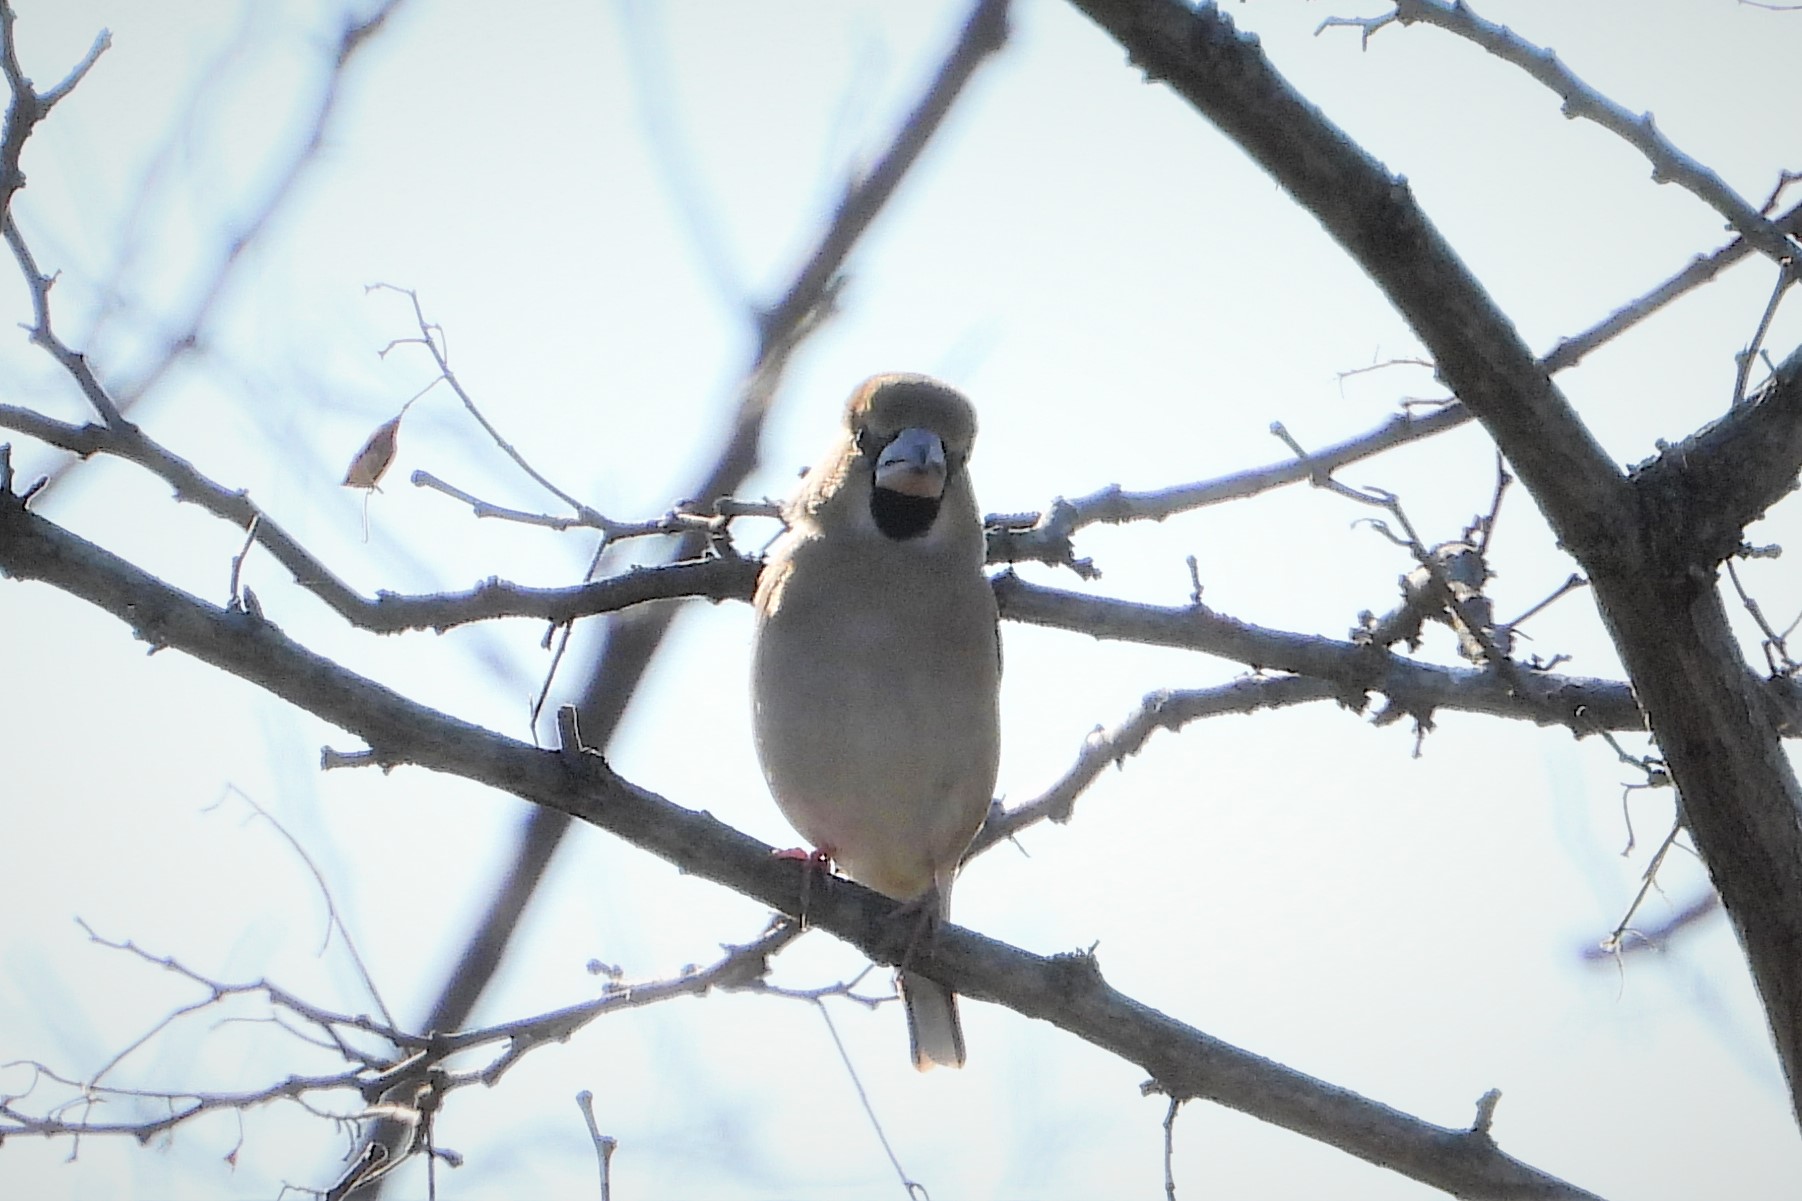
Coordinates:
[1447,589]
[1697,496]
[1039,538]
[1076,972]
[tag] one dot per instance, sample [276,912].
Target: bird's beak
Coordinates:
[913,464]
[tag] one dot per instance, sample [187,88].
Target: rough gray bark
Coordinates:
[1651,541]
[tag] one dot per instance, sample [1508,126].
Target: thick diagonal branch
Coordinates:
[1066,990]
[1652,569]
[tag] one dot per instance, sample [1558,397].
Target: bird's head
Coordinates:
[913,436]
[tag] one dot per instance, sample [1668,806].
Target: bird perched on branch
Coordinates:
[877,668]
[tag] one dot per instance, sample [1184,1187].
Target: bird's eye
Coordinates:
[870,443]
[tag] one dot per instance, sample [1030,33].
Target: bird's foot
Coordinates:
[817,862]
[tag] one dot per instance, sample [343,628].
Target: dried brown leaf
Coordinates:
[373,461]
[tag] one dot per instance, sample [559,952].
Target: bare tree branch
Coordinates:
[1067,990]
[1046,537]
[1652,563]
[1165,710]
[431,336]
[1669,165]
[1703,269]
[1372,214]
[1724,476]
[410,1060]
[1351,669]
[354,36]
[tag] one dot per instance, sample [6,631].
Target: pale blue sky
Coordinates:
[1128,300]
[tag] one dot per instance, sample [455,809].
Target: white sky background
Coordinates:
[1128,300]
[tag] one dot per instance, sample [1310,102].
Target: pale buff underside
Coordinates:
[876,721]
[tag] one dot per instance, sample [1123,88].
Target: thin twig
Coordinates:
[1744,359]
[430,336]
[604,1144]
[1647,880]
[1176,1103]
[1776,647]
[863,1098]
[334,920]
[1167,710]
[1701,270]
[1669,165]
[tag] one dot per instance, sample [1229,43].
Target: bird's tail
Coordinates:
[932,1025]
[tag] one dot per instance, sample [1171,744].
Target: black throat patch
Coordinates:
[901,516]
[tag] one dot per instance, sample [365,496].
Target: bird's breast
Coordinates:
[876,720]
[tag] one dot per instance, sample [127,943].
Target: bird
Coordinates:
[876,666]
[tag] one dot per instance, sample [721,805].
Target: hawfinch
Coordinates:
[877,667]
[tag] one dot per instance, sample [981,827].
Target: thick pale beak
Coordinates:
[913,464]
